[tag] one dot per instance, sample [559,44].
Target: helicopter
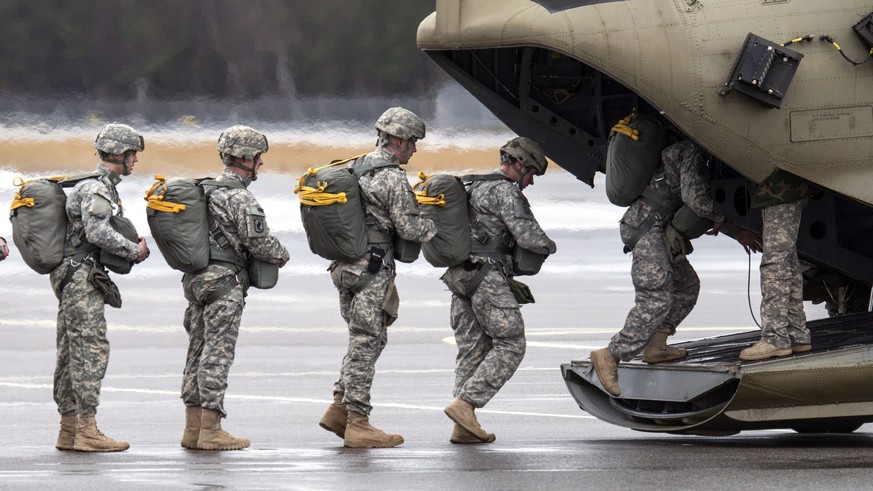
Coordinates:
[760,85]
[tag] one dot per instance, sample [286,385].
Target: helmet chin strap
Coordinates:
[402,153]
[253,170]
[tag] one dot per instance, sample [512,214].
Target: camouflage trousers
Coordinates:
[782,318]
[369,304]
[489,332]
[666,289]
[82,346]
[212,325]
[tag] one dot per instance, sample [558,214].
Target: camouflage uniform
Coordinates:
[488,326]
[782,317]
[369,302]
[666,285]
[83,349]
[213,323]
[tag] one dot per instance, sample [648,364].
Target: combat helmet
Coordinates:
[402,123]
[116,138]
[242,141]
[526,151]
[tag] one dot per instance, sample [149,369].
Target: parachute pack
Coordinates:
[444,200]
[333,216]
[39,221]
[178,217]
[633,156]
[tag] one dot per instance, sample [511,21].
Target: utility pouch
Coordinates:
[118,264]
[375,264]
[526,262]
[677,246]
[105,285]
[262,274]
[688,224]
[405,251]
[521,291]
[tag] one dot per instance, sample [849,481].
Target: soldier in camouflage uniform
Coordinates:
[665,283]
[783,329]
[367,295]
[83,349]
[215,294]
[486,318]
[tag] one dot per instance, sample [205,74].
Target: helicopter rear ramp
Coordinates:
[711,392]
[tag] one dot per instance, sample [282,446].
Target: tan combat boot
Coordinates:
[763,350]
[192,427]
[359,434]
[463,413]
[91,439]
[462,436]
[336,417]
[606,367]
[212,437]
[67,435]
[657,350]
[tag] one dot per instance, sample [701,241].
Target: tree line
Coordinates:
[224,49]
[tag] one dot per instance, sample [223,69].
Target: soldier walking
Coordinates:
[83,287]
[367,294]
[485,313]
[216,294]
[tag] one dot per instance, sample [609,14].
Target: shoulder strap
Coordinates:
[470,178]
[371,164]
[70,181]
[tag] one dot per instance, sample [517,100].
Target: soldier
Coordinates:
[485,313]
[238,234]
[4,249]
[367,294]
[783,320]
[665,283]
[82,286]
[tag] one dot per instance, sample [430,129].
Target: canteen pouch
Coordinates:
[521,291]
[118,264]
[525,262]
[104,284]
[262,274]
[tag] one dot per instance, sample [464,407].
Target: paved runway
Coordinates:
[281,384]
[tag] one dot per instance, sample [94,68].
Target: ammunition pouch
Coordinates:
[521,291]
[118,264]
[678,246]
[526,262]
[688,224]
[104,284]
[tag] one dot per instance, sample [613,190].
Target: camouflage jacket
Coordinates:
[778,188]
[242,221]
[686,182]
[90,204]
[504,214]
[390,201]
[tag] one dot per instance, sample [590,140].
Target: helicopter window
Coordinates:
[560,5]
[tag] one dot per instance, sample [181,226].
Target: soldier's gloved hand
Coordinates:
[750,241]
[4,249]
[715,228]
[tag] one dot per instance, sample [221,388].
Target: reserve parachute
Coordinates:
[444,200]
[633,156]
[39,219]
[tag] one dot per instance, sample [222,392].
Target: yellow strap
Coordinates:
[156,201]
[623,128]
[18,201]
[421,188]
[310,171]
